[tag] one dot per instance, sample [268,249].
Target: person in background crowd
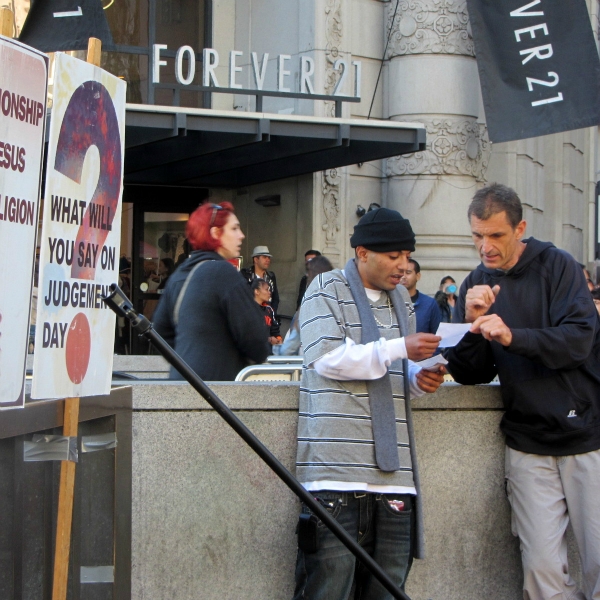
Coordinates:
[308,256]
[124,264]
[261,259]
[596,298]
[446,298]
[158,279]
[356,452]
[426,308]
[165,270]
[316,266]
[207,312]
[533,323]
[588,277]
[262,295]
[125,280]
[183,256]
[291,344]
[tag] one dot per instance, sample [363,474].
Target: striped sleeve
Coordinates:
[321,320]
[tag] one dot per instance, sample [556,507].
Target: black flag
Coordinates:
[65,25]
[538,66]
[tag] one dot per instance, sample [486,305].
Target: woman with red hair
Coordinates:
[206,311]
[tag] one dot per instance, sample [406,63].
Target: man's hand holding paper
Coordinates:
[430,381]
[421,345]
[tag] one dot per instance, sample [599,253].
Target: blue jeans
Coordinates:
[385,533]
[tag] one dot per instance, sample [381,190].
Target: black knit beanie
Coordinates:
[384,230]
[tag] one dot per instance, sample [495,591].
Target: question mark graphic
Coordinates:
[90,120]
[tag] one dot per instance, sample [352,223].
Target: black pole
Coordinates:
[122,306]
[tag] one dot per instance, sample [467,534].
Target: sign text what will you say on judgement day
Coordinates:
[210,61]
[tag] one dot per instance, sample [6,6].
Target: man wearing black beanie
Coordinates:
[356,451]
[384,230]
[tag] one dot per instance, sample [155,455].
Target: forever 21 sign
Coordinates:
[210,61]
[538,66]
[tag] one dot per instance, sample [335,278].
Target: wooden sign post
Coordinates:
[6,22]
[67,467]
[65,506]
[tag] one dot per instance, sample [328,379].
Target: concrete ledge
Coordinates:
[177,395]
[281,395]
[211,521]
[453,396]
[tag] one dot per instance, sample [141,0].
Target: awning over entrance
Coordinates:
[210,148]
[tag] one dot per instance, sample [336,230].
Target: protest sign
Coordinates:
[23,91]
[81,232]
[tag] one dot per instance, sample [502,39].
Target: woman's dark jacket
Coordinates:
[445,309]
[221,328]
[550,373]
[270,320]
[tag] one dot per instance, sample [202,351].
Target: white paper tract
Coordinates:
[452,333]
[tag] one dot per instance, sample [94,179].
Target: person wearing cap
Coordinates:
[261,259]
[356,451]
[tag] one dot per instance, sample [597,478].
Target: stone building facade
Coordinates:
[418,65]
[429,75]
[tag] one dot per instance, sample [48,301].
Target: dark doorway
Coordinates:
[160,215]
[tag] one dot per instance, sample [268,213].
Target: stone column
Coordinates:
[329,235]
[432,78]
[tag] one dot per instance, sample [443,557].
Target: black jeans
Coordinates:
[385,532]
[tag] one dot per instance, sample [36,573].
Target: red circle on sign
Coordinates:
[78,348]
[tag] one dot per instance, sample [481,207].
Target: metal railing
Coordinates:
[277,359]
[271,371]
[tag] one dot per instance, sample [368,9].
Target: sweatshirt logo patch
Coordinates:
[572,413]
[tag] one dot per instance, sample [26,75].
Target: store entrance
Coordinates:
[158,247]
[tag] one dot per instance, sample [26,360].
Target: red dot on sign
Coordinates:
[79,345]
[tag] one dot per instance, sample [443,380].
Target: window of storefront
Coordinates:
[138,24]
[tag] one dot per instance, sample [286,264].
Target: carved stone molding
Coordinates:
[454,147]
[430,27]
[333,43]
[331,179]
[330,186]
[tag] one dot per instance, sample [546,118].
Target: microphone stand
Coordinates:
[121,305]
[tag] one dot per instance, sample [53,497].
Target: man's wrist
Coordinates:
[469,318]
[396,349]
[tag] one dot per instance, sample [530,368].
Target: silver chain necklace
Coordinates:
[389,305]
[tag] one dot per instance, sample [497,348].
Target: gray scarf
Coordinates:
[383,416]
